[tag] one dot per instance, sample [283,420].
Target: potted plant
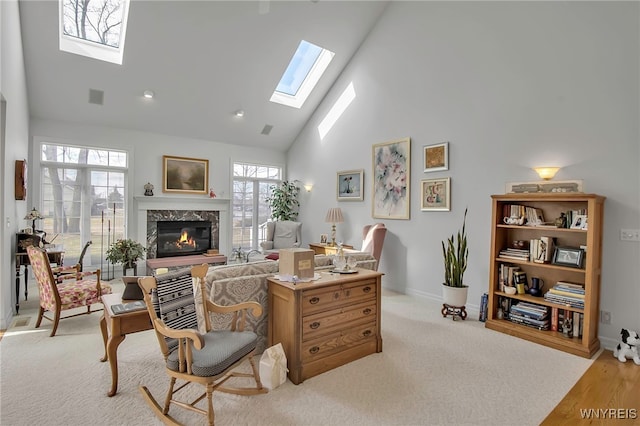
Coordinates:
[283,201]
[126,252]
[456,253]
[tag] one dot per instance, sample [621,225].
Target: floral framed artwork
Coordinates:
[436,157]
[435,194]
[185,175]
[350,185]
[391,179]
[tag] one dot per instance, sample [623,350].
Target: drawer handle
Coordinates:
[367,311]
[314,325]
[314,350]
[367,289]
[366,333]
[314,300]
[347,293]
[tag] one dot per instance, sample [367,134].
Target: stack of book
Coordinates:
[530,314]
[568,294]
[513,253]
[533,216]
[484,305]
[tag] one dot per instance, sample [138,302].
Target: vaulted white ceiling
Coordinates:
[203,59]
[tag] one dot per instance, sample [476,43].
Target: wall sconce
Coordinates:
[546,173]
[308,186]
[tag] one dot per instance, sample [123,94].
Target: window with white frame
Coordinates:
[83,193]
[251,183]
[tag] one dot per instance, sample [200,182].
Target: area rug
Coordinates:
[432,371]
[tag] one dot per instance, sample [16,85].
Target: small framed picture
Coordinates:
[350,185]
[435,194]
[323,238]
[579,222]
[568,256]
[436,157]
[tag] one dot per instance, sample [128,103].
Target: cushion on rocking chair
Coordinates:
[221,350]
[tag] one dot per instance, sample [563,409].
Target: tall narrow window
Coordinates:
[83,198]
[251,184]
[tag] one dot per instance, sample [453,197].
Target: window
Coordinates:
[94,29]
[83,198]
[303,73]
[251,183]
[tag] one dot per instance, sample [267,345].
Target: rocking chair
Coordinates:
[205,359]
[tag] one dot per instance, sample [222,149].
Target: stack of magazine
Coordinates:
[568,294]
[530,314]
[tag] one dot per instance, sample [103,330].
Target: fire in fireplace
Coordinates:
[181,238]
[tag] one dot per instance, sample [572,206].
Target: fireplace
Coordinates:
[183,237]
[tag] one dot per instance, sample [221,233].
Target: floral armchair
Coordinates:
[61,289]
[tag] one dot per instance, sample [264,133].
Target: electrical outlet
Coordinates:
[630,234]
[605,317]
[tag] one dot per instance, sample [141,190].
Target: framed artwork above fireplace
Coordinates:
[185,175]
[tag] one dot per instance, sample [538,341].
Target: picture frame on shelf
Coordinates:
[185,175]
[391,179]
[435,194]
[579,222]
[350,185]
[568,256]
[436,157]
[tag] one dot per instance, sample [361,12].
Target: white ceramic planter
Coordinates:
[454,296]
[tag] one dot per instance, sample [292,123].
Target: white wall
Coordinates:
[14,132]
[510,86]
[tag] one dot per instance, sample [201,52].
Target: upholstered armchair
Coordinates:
[61,289]
[282,234]
[373,239]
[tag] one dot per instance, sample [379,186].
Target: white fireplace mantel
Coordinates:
[223,205]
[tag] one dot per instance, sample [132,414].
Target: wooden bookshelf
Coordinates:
[502,236]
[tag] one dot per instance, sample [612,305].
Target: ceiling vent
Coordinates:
[96,96]
[266,129]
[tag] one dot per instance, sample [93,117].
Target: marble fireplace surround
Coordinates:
[155,206]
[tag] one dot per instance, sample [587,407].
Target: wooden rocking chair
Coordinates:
[205,359]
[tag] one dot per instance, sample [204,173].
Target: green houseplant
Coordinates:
[283,201]
[456,254]
[126,252]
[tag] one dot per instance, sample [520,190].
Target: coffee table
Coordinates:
[115,328]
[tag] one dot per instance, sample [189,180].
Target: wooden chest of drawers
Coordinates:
[325,323]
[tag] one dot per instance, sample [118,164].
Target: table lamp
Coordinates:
[33,215]
[334,215]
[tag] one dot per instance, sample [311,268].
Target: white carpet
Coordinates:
[432,371]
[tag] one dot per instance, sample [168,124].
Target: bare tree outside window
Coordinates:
[99,21]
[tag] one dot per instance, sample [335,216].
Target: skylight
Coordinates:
[301,76]
[94,29]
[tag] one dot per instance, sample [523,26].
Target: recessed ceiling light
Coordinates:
[149,94]
[239,113]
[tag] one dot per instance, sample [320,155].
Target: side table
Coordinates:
[115,328]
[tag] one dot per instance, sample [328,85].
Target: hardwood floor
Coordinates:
[609,387]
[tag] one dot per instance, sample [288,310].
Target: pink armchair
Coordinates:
[67,290]
[373,239]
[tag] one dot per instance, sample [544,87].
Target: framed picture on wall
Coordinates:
[350,185]
[185,175]
[391,179]
[436,157]
[435,194]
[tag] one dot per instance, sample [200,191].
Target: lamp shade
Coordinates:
[334,215]
[546,173]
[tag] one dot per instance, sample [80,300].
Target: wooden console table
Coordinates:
[115,328]
[325,323]
[320,248]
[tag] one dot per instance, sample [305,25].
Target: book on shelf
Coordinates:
[554,318]
[520,277]
[577,333]
[123,308]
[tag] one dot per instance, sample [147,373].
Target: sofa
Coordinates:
[231,284]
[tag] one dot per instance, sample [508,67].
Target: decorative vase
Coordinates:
[454,296]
